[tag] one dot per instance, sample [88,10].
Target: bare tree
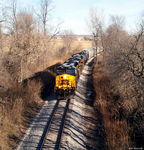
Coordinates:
[115,44]
[124,58]
[1,29]
[96,24]
[135,54]
[68,38]
[25,22]
[125,52]
[45,9]
[118,21]
[1,41]
[1,16]
[14,13]
[20,46]
[1,21]
[11,16]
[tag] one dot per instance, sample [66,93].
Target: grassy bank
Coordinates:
[121,109]
[115,126]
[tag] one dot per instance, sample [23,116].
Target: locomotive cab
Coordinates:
[65,81]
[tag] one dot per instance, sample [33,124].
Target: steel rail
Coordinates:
[58,141]
[47,127]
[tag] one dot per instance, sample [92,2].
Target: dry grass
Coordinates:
[20,103]
[12,113]
[76,43]
[116,129]
[11,124]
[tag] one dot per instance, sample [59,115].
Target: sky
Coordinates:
[74,13]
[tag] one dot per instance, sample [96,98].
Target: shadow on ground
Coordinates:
[46,78]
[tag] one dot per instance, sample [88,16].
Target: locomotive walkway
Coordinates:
[76,127]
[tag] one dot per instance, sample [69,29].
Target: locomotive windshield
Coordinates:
[70,71]
[61,71]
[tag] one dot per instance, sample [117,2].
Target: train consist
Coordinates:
[68,73]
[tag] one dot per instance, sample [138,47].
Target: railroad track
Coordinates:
[51,137]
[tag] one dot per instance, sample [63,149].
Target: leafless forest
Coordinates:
[119,81]
[28,45]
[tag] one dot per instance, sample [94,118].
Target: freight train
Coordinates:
[68,73]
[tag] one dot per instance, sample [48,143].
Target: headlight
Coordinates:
[65,76]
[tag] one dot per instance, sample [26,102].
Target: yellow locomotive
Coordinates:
[65,82]
[68,73]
